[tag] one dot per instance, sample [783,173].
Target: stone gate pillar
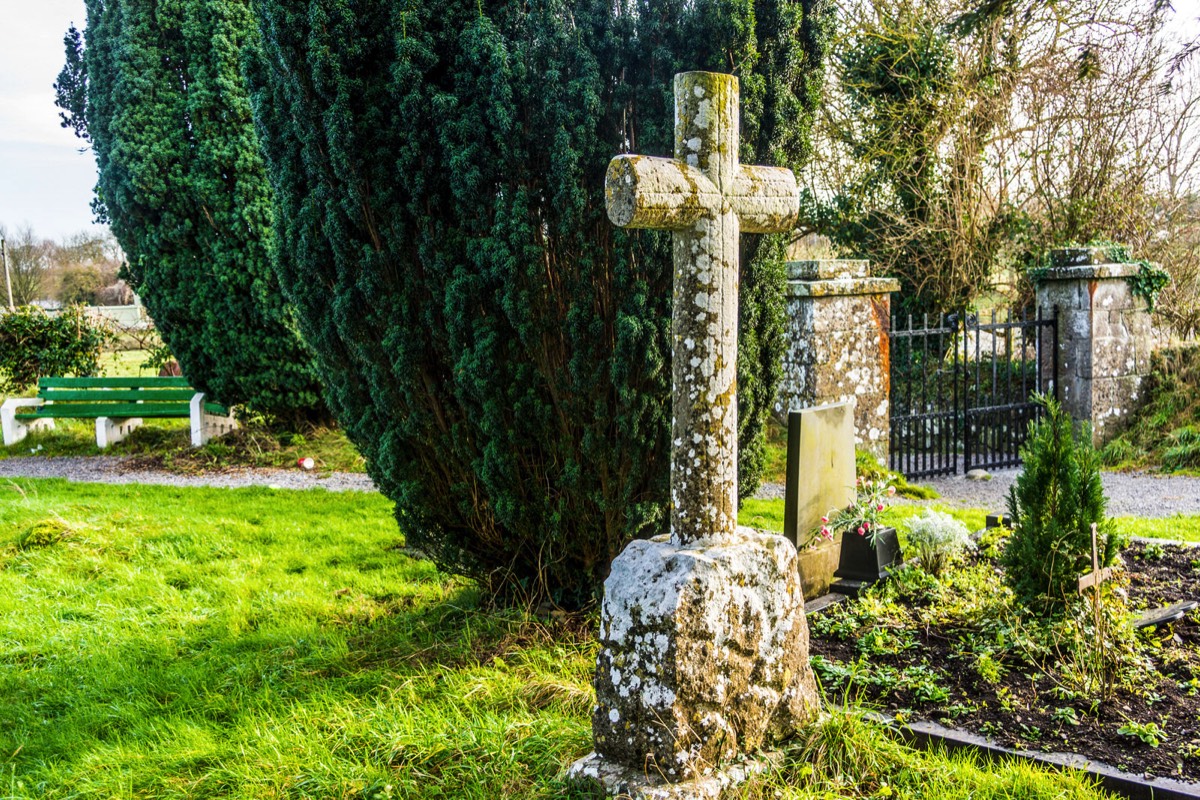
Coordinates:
[838,319]
[1105,338]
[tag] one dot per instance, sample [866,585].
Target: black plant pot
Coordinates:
[862,561]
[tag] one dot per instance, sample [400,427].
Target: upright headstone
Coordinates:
[820,476]
[704,644]
[820,466]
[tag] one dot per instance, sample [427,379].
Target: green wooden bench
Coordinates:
[117,404]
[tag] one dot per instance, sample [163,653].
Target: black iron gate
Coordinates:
[962,388]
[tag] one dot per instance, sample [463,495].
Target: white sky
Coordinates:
[44,180]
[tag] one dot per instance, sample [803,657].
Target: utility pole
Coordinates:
[7,276]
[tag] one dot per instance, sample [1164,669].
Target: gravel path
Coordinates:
[1130,494]
[111,469]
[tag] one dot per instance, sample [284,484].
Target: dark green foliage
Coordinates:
[34,345]
[496,348]
[1148,282]
[158,90]
[1054,502]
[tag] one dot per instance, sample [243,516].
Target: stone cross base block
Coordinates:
[626,783]
[704,655]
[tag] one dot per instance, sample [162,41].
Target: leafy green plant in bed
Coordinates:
[1148,733]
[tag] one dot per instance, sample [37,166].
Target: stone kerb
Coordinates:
[1105,337]
[838,319]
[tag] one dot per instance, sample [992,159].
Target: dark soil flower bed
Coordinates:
[954,651]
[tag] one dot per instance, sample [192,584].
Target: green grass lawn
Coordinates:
[158,642]
[126,364]
[768,515]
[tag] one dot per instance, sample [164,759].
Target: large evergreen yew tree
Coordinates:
[496,348]
[158,90]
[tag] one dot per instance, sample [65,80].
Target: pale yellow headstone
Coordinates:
[825,462]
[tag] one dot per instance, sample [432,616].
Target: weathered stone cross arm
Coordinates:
[666,194]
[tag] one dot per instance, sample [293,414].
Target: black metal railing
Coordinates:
[963,386]
[925,383]
[1007,368]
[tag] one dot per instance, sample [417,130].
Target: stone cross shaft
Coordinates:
[706,198]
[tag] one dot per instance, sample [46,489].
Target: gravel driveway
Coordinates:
[1130,494]
[111,469]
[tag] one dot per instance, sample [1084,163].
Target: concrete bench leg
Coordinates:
[111,431]
[207,426]
[14,429]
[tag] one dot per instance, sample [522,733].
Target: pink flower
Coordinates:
[824,519]
[891,490]
[825,532]
[879,507]
[862,531]
[866,526]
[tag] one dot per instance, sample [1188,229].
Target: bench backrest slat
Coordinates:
[116,395]
[115,410]
[113,383]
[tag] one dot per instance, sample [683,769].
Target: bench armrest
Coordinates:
[23,402]
[206,426]
[14,431]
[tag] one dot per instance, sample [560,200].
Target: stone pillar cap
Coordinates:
[1088,256]
[842,287]
[828,269]
[1090,272]
[1089,264]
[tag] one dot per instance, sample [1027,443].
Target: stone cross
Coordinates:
[706,198]
[703,640]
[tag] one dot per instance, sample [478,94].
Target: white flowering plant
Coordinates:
[861,517]
[938,540]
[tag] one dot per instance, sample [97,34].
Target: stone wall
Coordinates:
[838,321]
[1105,337]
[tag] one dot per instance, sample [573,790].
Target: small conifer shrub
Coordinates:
[1054,502]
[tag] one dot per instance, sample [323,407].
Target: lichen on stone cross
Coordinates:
[706,198]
